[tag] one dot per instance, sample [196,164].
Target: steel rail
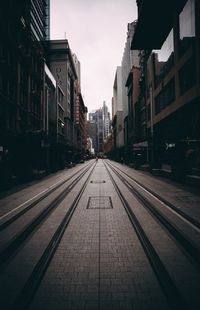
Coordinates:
[25,297]
[168,286]
[187,217]
[6,223]
[10,249]
[186,245]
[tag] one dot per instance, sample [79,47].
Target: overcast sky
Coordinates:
[96,31]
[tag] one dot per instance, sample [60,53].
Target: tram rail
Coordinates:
[185,216]
[186,244]
[30,287]
[40,257]
[167,284]
[11,246]
[6,219]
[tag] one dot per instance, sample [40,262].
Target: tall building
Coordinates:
[24,26]
[100,130]
[130,79]
[47,20]
[63,69]
[53,122]
[106,121]
[39,19]
[80,111]
[91,115]
[130,59]
[171,82]
[99,127]
[118,119]
[92,133]
[117,91]
[77,65]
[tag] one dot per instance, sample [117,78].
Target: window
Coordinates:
[148,112]
[187,76]
[143,131]
[165,97]
[149,77]
[1,81]
[164,58]
[187,26]
[130,107]
[143,115]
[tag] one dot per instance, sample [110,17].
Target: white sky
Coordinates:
[96,31]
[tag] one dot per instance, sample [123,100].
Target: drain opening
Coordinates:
[96,202]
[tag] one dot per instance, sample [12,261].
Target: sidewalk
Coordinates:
[165,171]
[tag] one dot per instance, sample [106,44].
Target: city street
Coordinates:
[100,236]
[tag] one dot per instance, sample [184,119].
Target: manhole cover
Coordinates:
[98,181]
[96,202]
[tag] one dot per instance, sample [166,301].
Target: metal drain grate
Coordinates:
[98,181]
[103,202]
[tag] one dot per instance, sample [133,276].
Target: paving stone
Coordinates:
[101,256]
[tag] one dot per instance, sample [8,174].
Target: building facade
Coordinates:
[92,133]
[130,77]
[63,69]
[100,130]
[118,115]
[53,119]
[172,83]
[41,128]
[66,68]
[106,121]
[24,28]
[130,58]
[99,126]
[80,114]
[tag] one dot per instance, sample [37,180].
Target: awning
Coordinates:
[154,23]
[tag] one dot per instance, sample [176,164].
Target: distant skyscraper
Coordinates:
[100,130]
[99,127]
[106,121]
[91,116]
[77,65]
[40,19]
[92,132]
